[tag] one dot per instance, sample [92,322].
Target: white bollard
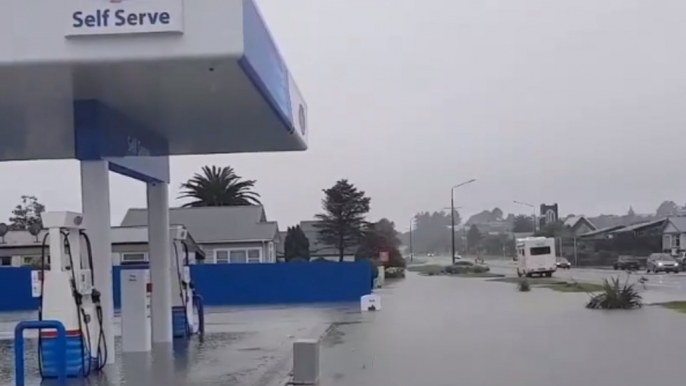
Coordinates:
[381,278]
[135,310]
[305,362]
[370,302]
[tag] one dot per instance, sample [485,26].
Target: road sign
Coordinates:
[383,256]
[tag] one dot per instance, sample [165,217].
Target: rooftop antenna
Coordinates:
[35,229]
[3,231]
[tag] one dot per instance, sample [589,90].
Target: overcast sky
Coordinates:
[578,102]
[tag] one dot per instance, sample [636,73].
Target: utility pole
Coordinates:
[411,251]
[452,216]
[533,208]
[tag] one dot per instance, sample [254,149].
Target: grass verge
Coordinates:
[532,280]
[679,306]
[555,284]
[435,270]
[480,274]
[574,287]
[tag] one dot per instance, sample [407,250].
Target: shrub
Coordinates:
[615,296]
[465,269]
[395,273]
[523,285]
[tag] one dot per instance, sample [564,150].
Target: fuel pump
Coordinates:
[183,324]
[64,286]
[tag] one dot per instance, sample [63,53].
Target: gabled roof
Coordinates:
[601,231]
[317,248]
[575,220]
[118,235]
[677,222]
[641,226]
[215,224]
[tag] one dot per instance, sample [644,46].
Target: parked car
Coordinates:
[661,262]
[563,263]
[680,258]
[628,263]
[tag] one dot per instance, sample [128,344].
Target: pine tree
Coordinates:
[296,245]
[342,224]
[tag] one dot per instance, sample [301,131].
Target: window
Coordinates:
[238,256]
[676,241]
[271,258]
[133,258]
[536,251]
[6,261]
[254,256]
[29,261]
[221,256]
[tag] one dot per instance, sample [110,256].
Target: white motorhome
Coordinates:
[536,256]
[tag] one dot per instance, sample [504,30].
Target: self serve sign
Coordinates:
[126,17]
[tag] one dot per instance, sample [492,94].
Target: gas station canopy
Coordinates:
[170,76]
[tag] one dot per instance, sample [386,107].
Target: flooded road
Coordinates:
[242,346]
[438,331]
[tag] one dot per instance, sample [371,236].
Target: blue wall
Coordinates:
[233,284]
[281,283]
[15,287]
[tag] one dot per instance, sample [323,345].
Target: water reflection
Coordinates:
[241,346]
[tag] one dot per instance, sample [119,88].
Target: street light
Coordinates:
[411,251]
[530,206]
[452,216]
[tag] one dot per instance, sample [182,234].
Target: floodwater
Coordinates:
[242,346]
[438,331]
[431,331]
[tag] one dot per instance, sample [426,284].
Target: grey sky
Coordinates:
[576,102]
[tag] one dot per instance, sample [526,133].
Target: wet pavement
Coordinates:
[431,331]
[242,346]
[657,288]
[450,331]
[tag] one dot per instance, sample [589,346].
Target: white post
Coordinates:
[135,311]
[95,203]
[160,265]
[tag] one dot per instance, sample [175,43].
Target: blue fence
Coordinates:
[15,284]
[243,284]
[233,284]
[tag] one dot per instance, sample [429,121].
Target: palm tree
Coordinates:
[217,186]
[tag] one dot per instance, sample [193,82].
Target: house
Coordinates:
[129,246]
[579,225]
[600,234]
[318,250]
[674,235]
[227,234]
[642,229]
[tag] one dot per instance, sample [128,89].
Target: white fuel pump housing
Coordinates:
[62,220]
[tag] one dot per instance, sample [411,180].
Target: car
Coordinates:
[628,263]
[680,258]
[563,263]
[661,262]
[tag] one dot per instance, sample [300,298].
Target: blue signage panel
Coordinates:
[264,65]
[102,133]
